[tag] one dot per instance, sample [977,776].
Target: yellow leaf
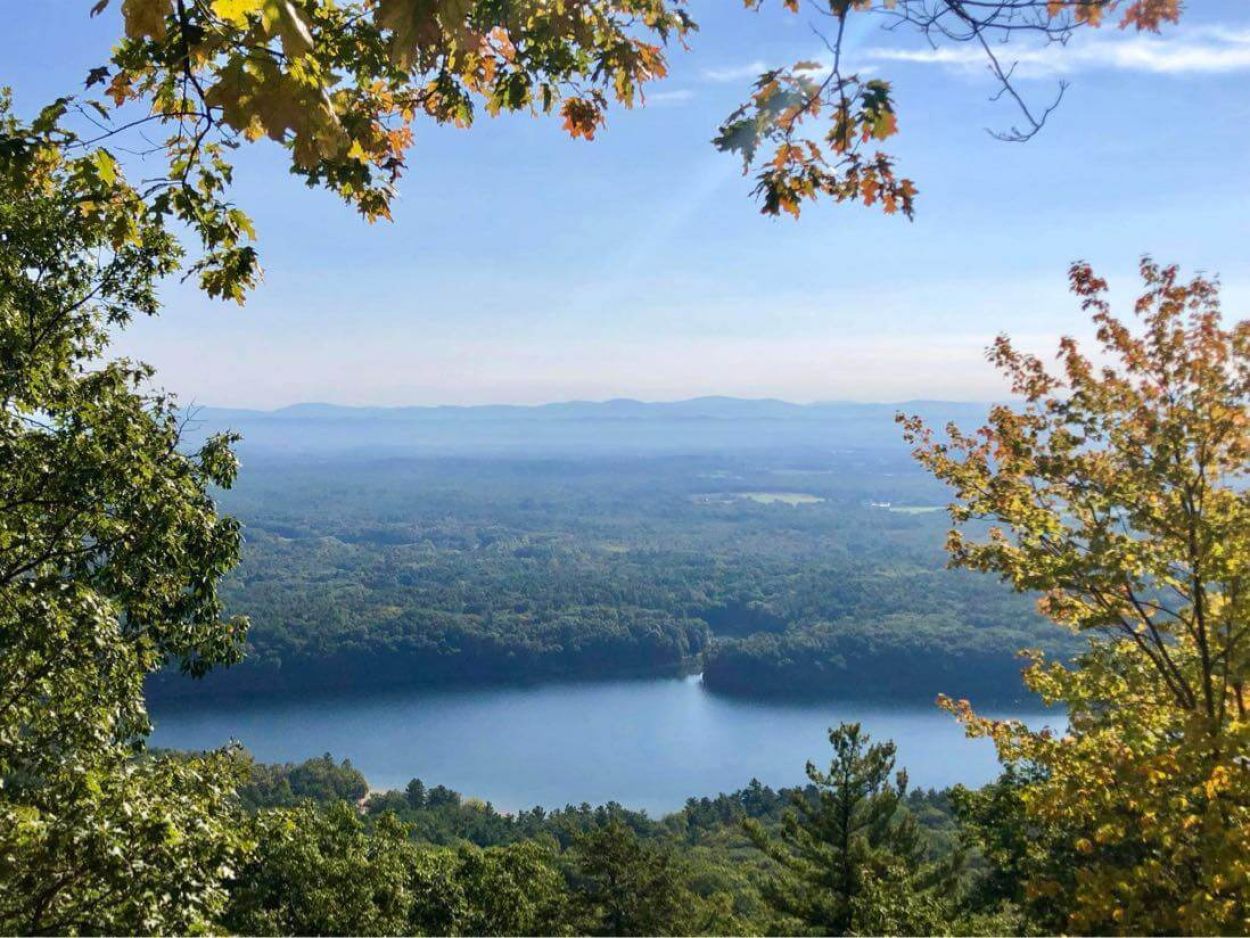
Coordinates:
[145,18]
[236,11]
[282,17]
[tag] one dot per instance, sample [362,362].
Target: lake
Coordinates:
[648,744]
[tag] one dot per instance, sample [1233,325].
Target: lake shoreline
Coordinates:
[646,744]
[177,690]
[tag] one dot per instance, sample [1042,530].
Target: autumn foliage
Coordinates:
[343,85]
[1119,493]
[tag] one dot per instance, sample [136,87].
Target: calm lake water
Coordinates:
[648,744]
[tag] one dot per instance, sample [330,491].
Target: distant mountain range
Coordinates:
[618,427]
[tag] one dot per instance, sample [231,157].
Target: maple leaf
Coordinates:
[236,11]
[581,117]
[145,19]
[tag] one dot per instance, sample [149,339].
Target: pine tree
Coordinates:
[850,859]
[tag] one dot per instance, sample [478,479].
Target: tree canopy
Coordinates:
[1118,491]
[343,86]
[110,551]
[850,860]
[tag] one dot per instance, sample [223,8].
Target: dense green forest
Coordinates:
[813,573]
[439,815]
[456,865]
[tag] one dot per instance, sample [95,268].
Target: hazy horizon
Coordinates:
[617,399]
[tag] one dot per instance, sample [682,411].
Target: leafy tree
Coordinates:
[627,887]
[850,859]
[110,548]
[323,780]
[853,113]
[110,846]
[320,872]
[1011,848]
[319,780]
[1118,491]
[511,890]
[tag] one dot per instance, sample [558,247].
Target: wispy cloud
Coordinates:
[816,67]
[1204,50]
[669,97]
[735,72]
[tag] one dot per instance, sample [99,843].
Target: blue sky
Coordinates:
[527,267]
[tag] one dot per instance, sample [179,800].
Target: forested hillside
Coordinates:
[806,571]
[428,859]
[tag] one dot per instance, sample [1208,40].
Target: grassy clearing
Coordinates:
[762,498]
[780,498]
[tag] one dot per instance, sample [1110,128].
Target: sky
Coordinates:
[525,267]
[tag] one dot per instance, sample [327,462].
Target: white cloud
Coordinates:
[1205,50]
[816,68]
[667,97]
[736,72]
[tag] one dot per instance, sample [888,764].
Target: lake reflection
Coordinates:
[648,744]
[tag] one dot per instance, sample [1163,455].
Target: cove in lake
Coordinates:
[648,744]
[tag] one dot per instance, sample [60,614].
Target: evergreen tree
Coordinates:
[415,793]
[850,859]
